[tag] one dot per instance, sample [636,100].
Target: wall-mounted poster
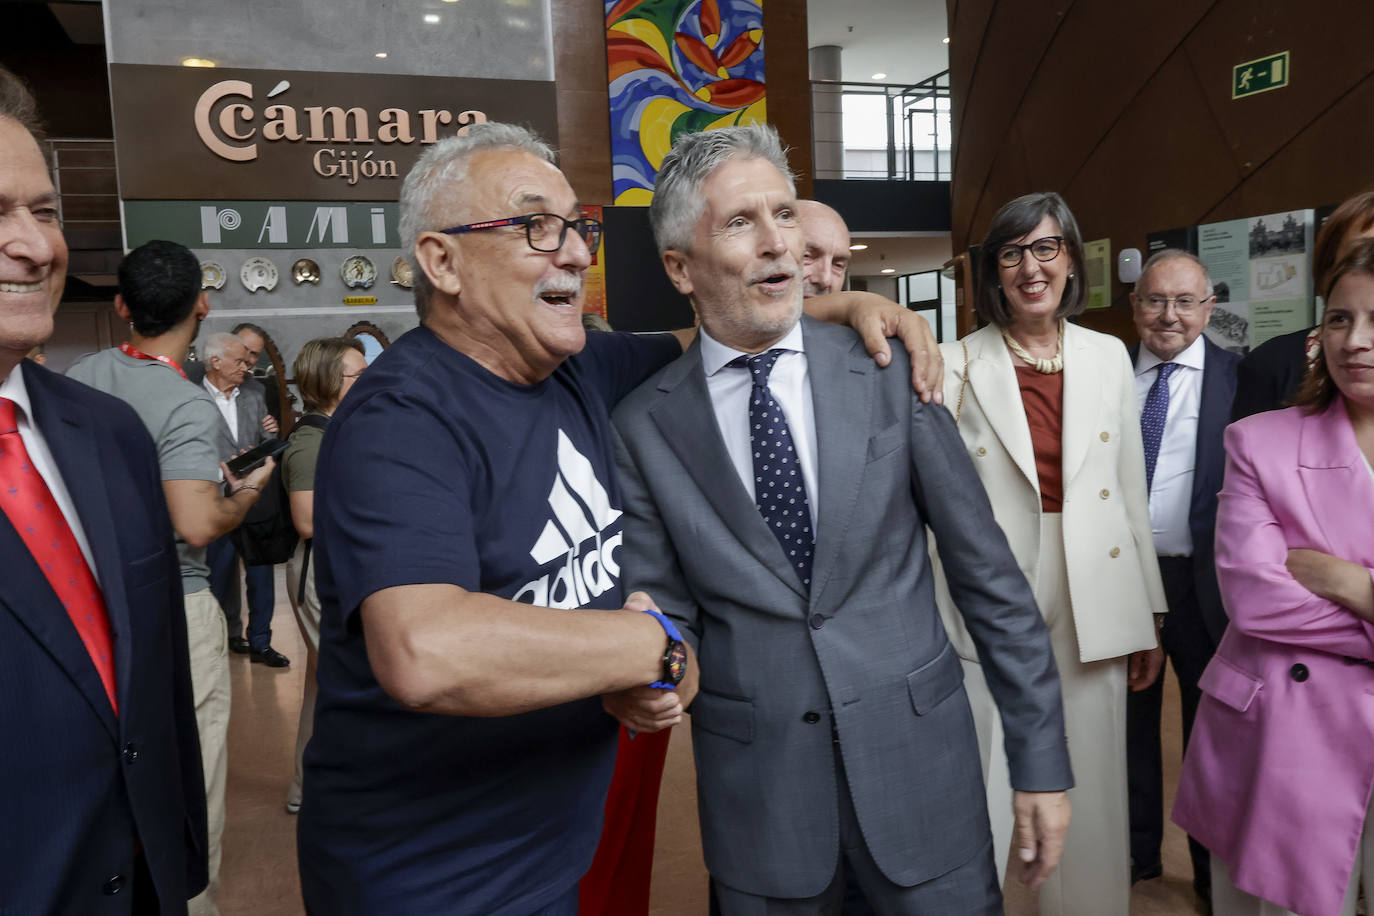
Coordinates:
[677,66]
[1260,275]
[1224,248]
[1280,280]
[1097,258]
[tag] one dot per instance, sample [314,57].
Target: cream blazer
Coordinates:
[1114,582]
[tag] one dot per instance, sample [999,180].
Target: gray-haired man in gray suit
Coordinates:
[831,732]
[244,423]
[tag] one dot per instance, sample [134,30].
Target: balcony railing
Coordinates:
[882,130]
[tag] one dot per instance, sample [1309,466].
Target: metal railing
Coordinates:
[83,173]
[917,147]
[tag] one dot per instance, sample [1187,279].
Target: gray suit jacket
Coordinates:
[252,407]
[864,654]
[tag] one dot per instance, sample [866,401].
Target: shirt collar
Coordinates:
[14,389]
[216,393]
[1192,357]
[715,355]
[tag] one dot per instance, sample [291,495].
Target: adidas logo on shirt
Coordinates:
[582,512]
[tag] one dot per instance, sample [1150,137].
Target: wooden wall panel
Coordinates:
[1125,108]
[584,120]
[787,72]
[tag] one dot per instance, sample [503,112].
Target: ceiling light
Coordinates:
[450,1]
[381,55]
[946,40]
[888,270]
[196,62]
[432,18]
[880,76]
[859,247]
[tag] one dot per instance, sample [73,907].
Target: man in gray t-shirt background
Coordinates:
[160,296]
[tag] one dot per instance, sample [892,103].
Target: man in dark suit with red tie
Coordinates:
[104,808]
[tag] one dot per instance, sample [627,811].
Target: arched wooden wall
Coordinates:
[1125,108]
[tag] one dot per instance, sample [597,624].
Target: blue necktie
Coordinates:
[779,490]
[1152,420]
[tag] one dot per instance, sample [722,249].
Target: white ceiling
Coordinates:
[902,38]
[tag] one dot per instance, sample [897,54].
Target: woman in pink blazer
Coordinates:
[1279,771]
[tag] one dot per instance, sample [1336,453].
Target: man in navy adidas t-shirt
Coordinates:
[467,542]
[464,506]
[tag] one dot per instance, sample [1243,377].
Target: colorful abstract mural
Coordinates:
[677,66]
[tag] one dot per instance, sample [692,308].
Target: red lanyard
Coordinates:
[130,350]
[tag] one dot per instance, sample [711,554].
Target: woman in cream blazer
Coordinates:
[1092,564]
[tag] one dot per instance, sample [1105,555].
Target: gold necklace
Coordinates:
[1043,366]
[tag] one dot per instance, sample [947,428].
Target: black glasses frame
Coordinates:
[1022,249]
[587,229]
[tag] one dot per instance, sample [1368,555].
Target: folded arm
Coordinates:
[1266,597]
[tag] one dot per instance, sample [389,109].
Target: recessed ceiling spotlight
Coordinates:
[432,18]
[381,55]
[450,1]
[196,62]
[946,39]
[888,270]
[880,76]
[859,247]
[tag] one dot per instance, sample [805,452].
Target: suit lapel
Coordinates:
[992,380]
[1334,478]
[1082,395]
[1214,412]
[688,424]
[65,426]
[842,397]
[245,421]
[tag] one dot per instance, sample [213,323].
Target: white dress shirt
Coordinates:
[228,405]
[1171,494]
[40,456]
[790,383]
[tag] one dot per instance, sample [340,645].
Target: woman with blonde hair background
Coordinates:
[325,369]
[1048,411]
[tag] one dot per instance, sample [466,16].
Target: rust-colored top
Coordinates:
[1042,397]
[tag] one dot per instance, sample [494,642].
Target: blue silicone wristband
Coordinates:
[671,629]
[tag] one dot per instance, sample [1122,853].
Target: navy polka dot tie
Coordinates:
[779,490]
[1152,420]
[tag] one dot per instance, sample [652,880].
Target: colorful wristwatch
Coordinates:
[674,657]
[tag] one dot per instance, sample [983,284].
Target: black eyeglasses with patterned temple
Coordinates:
[544,231]
[1046,249]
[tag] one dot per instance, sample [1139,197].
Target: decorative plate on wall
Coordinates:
[305,271]
[211,275]
[358,272]
[258,273]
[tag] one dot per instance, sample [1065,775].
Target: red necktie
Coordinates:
[29,504]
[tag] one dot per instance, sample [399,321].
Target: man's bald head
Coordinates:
[825,260]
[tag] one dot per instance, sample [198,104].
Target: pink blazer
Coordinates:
[1279,769]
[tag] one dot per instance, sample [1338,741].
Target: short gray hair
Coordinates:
[1170,254]
[429,194]
[218,344]
[677,203]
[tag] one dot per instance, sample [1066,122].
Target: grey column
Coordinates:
[827,117]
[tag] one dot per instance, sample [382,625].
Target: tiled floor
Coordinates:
[259,870]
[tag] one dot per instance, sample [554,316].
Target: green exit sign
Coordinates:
[1259,75]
